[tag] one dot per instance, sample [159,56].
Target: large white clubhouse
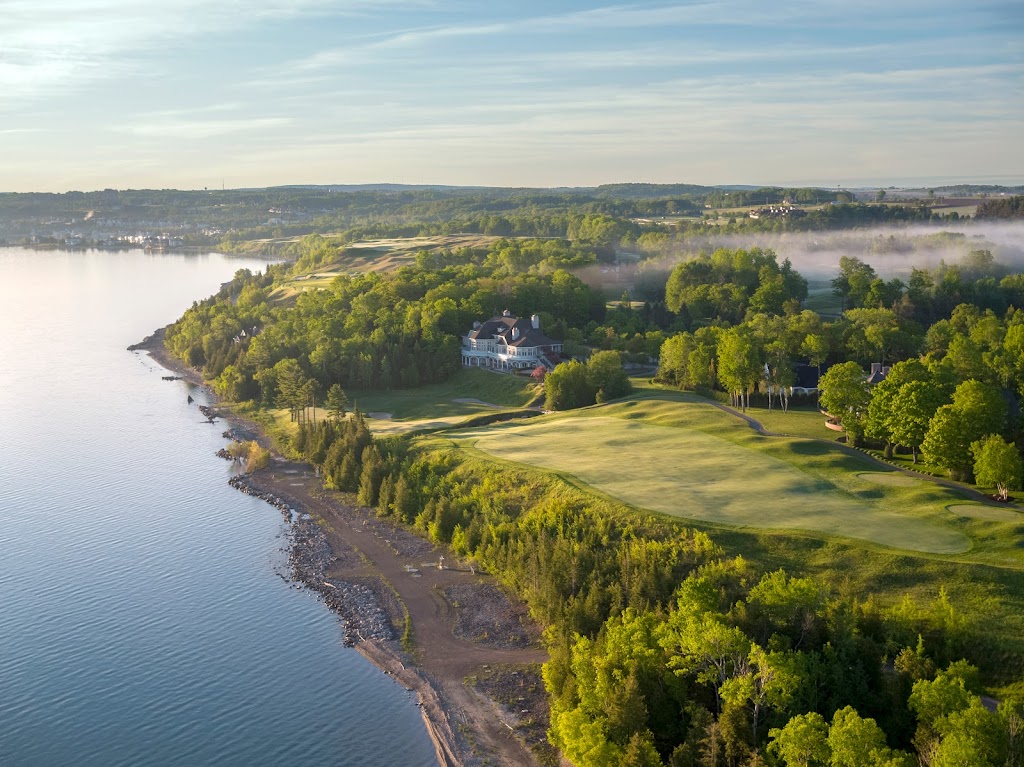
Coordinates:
[509,343]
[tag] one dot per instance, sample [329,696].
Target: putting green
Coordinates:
[689,473]
[891,478]
[988,513]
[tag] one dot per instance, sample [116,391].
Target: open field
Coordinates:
[438,400]
[799,421]
[820,298]
[796,422]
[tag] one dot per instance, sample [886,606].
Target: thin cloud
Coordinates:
[58,44]
[202,129]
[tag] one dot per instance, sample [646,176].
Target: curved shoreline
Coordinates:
[441,701]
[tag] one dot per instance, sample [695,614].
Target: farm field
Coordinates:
[679,455]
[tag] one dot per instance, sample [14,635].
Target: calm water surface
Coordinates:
[142,617]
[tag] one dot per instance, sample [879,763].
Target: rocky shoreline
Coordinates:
[310,556]
[372,613]
[366,624]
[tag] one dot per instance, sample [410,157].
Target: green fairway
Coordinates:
[701,470]
[891,478]
[438,402]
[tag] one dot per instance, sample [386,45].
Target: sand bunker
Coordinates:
[989,513]
[891,478]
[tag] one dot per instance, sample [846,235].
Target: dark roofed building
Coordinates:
[509,343]
[878,373]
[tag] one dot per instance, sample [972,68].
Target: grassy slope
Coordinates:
[690,473]
[429,407]
[689,459]
[986,583]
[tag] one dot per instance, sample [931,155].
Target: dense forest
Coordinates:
[376,331]
[1001,207]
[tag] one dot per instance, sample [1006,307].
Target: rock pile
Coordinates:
[360,611]
[310,557]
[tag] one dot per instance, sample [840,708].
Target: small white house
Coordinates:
[509,343]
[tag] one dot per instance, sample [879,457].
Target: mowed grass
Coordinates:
[437,401]
[400,411]
[690,473]
[821,299]
[803,420]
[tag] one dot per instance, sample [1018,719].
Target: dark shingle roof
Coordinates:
[528,335]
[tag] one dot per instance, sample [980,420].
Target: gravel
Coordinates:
[484,614]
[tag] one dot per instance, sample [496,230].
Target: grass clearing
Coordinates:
[690,473]
[783,506]
[821,299]
[799,421]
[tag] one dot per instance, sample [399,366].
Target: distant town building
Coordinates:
[509,343]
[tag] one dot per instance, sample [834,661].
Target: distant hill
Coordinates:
[647,191]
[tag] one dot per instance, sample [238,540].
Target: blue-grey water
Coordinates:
[142,617]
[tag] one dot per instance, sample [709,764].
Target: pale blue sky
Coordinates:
[190,93]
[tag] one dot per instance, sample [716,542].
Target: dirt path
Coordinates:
[442,660]
[759,428]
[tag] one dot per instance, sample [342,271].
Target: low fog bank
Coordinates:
[892,251]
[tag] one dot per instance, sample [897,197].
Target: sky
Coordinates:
[245,93]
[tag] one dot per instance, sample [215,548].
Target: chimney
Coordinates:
[535,319]
[515,332]
[506,313]
[876,367]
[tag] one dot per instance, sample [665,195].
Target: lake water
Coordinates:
[143,620]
